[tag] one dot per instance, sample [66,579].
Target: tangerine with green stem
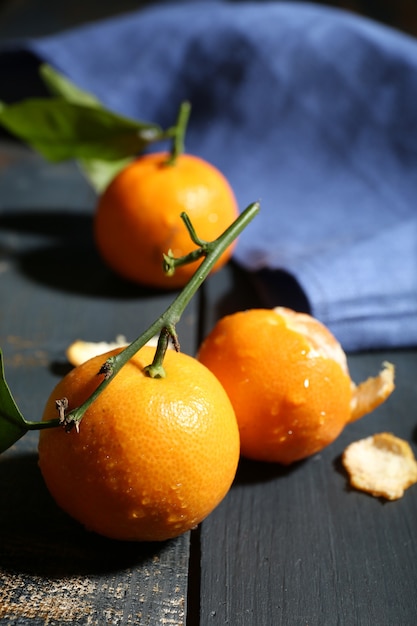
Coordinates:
[153,456]
[137,219]
[150,443]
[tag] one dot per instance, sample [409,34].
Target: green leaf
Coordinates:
[100,173]
[74,124]
[59,85]
[12,423]
[62,130]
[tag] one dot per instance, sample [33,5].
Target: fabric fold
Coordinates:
[308,109]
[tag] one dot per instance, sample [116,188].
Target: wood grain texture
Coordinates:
[296,546]
[53,290]
[287,547]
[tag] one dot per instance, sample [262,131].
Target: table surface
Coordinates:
[287,546]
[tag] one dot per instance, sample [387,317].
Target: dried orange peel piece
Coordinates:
[80,351]
[382,465]
[372,392]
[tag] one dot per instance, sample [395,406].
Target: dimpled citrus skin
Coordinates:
[290,400]
[138,217]
[153,457]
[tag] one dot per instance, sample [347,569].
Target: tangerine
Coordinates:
[152,458]
[137,218]
[288,380]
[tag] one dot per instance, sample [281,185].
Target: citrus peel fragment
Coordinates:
[382,465]
[80,351]
[372,392]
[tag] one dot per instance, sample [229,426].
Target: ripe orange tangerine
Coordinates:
[288,380]
[152,458]
[137,218]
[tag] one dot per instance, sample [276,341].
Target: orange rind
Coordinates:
[382,465]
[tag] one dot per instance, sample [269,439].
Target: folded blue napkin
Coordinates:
[312,111]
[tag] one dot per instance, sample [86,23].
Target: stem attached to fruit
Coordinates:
[165,325]
[179,133]
[156,368]
[170,263]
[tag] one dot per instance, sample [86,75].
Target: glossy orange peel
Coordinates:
[288,379]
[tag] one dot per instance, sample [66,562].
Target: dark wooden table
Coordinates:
[287,546]
[291,547]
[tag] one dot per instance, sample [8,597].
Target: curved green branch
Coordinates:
[13,425]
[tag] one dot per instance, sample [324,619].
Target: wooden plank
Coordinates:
[53,290]
[297,546]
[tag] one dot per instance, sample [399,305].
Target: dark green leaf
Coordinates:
[59,85]
[98,172]
[12,424]
[61,130]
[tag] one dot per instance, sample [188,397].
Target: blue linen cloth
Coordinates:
[312,111]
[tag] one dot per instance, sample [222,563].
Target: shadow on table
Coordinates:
[254,472]
[261,289]
[37,538]
[414,436]
[56,248]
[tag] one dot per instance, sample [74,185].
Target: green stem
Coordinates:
[180,130]
[42,425]
[156,368]
[166,323]
[191,231]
